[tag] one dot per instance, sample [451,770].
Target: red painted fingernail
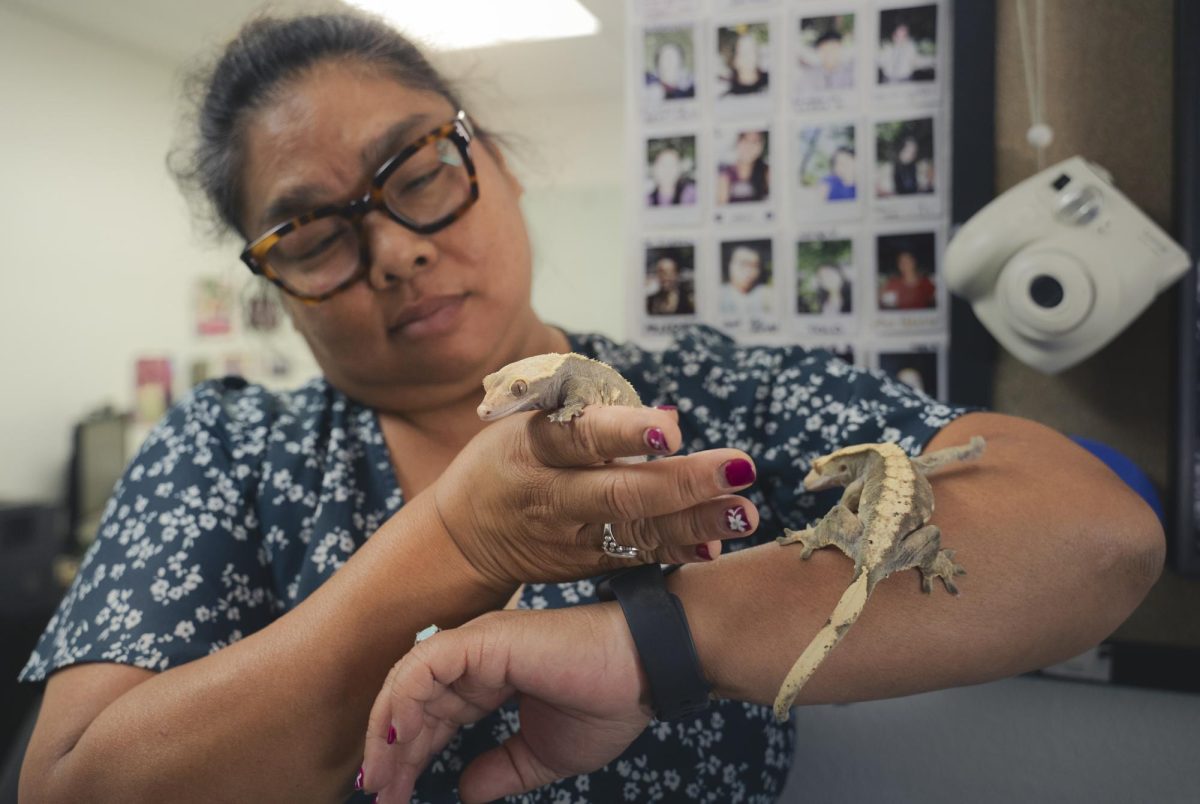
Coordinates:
[666,407]
[656,440]
[739,472]
[736,519]
[391,734]
[702,551]
[358,780]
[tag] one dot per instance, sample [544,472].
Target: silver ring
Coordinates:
[611,548]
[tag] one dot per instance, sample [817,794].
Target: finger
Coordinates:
[414,701]
[506,770]
[604,433]
[656,488]
[693,534]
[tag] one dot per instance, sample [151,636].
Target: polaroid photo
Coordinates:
[671,185]
[667,72]
[669,280]
[906,181]
[665,292]
[826,285]
[747,297]
[922,366]
[909,294]
[824,63]
[827,172]
[743,69]
[741,175]
[909,64]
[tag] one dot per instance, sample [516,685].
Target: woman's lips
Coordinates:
[428,317]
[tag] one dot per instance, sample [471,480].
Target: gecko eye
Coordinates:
[519,387]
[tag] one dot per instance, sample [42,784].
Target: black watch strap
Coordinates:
[663,639]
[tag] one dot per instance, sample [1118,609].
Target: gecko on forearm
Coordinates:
[882,522]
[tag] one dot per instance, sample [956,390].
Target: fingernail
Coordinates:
[736,519]
[391,734]
[702,551]
[656,440]
[738,472]
[358,780]
[665,407]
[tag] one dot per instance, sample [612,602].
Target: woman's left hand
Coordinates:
[583,699]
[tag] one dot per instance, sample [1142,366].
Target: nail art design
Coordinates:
[666,407]
[736,520]
[391,738]
[702,551]
[656,440]
[358,780]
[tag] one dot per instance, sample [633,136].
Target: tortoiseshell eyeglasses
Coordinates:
[425,188]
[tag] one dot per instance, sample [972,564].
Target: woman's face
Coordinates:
[433,308]
[749,147]
[745,267]
[670,64]
[829,278]
[745,53]
[843,166]
[667,168]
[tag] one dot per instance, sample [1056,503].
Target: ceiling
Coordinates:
[179,32]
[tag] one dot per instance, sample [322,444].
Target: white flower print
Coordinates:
[242,502]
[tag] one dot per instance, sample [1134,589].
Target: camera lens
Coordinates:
[1046,291]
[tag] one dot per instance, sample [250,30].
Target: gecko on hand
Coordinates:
[562,383]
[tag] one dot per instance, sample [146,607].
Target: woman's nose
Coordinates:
[394,252]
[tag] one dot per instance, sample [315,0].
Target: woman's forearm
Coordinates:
[1058,550]
[280,714]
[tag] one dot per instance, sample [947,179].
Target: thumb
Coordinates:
[508,769]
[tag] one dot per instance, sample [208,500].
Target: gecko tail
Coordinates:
[849,606]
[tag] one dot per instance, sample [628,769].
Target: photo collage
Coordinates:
[790,163]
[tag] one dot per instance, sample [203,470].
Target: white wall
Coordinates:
[101,257]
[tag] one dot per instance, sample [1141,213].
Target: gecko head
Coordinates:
[829,471]
[518,386]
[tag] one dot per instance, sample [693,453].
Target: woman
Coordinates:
[748,178]
[227,634]
[909,288]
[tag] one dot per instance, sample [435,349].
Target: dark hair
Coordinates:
[829,36]
[249,73]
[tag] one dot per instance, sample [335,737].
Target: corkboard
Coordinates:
[1108,86]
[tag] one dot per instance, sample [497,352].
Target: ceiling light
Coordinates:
[463,24]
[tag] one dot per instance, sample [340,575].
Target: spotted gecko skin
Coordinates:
[882,523]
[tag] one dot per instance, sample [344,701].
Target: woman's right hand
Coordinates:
[526,500]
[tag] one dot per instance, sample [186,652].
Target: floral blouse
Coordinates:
[243,501]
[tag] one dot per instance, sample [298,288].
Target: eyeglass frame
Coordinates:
[458,131]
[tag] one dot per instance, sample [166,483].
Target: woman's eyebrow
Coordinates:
[393,140]
[307,197]
[294,202]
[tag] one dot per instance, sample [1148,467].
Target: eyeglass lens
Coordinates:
[424,189]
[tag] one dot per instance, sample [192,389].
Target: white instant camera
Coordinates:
[1060,264]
